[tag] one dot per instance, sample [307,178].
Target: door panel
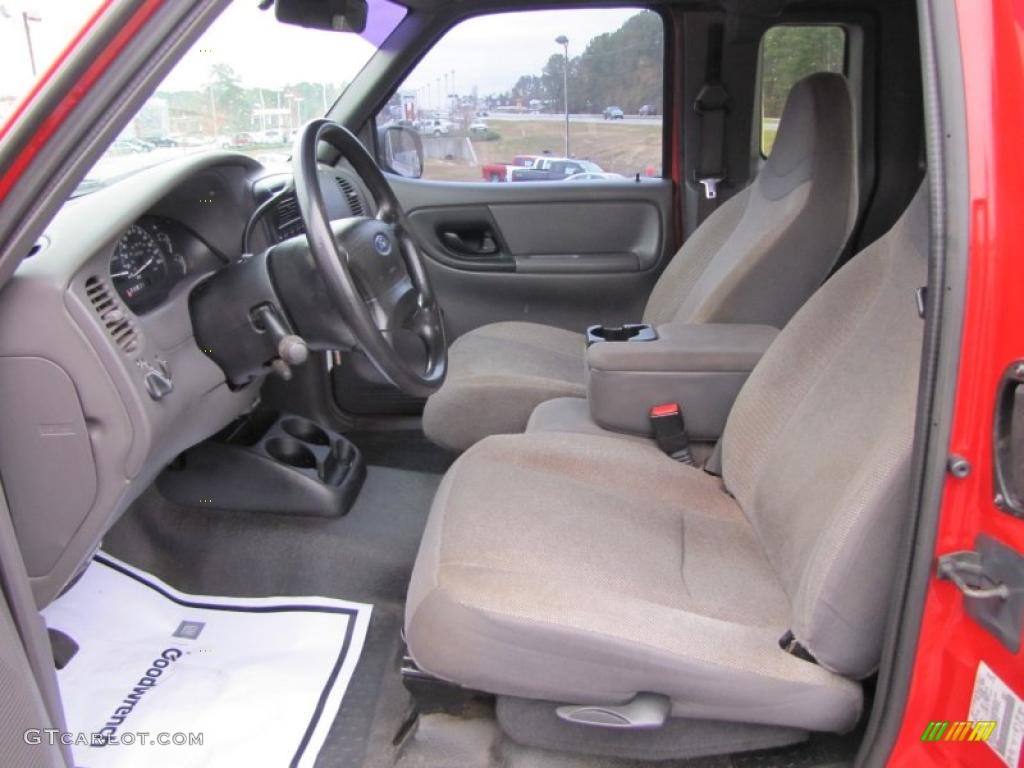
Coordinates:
[566,254]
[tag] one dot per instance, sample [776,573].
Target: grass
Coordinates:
[769,130]
[617,147]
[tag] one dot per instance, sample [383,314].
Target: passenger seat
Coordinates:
[756,259]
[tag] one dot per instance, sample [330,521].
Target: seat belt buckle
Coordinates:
[670,432]
[710,184]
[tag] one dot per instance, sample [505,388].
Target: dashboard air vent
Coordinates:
[287,219]
[355,201]
[111,315]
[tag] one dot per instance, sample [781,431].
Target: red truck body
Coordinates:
[499,171]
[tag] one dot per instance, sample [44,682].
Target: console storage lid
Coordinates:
[701,367]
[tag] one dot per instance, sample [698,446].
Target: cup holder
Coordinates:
[306,431]
[630,332]
[291,452]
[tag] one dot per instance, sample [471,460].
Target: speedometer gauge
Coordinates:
[139,270]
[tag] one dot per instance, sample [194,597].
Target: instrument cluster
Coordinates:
[152,257]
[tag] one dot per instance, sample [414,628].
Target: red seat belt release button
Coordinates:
[670,431]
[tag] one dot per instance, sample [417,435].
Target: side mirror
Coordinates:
[401,151]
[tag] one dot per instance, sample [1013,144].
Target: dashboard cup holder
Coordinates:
[291,452]
[273,463]
[305,430]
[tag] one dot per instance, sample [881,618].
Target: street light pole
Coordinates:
[26,17]
[563,41]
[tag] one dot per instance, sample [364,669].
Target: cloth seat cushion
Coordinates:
[497,375]
[588,568]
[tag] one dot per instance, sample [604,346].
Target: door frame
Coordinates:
[975,176]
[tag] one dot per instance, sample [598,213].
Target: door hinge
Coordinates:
[991,579]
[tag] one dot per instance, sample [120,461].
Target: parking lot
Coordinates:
[626,147]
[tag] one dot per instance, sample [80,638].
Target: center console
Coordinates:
[700,367]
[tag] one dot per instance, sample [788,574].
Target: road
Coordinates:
[498,117]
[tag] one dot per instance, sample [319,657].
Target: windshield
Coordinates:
[247,85]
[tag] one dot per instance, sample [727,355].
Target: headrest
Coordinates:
[816,130]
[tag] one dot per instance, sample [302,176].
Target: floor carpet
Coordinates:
[366,556]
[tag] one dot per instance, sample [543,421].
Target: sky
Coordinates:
[60,20]
[492,52]
[488,52]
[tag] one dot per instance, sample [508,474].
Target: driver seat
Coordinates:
[756,259]
[590,570]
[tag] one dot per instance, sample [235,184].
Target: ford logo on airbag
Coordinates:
[382,244]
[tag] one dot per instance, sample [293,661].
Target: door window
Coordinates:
[788,54]
[489,100]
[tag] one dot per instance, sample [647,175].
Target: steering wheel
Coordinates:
[372,267]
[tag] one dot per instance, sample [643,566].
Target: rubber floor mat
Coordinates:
[163,678]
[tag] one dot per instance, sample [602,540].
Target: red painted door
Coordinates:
[963,672]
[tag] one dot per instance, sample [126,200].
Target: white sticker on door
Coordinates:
[994,701]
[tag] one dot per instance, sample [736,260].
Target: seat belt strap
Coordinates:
[792,646]
[712,104]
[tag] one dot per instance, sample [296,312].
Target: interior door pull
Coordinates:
[991,579]
[478,244]
[960,566]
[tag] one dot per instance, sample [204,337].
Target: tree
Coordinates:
[790,54]
[230,108]
[621,68]
[527,88]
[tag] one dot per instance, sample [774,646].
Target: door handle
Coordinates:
[477,243]
[1008,440]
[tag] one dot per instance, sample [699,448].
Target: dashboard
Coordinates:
[104,381]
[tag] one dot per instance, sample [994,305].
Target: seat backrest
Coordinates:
[768,248]
[817,447]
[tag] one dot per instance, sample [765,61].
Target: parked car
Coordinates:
[162,141]
[553,169]
[196,140]
[614,113]
[124,147]
[127,145]
[242,139]
[435,127]
[647,110]
[499,171]
[478,126]
[595,176]
[269,136]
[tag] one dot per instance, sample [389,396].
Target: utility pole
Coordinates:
[26,17]
[563,41]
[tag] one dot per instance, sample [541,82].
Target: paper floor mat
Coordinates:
[256,681]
